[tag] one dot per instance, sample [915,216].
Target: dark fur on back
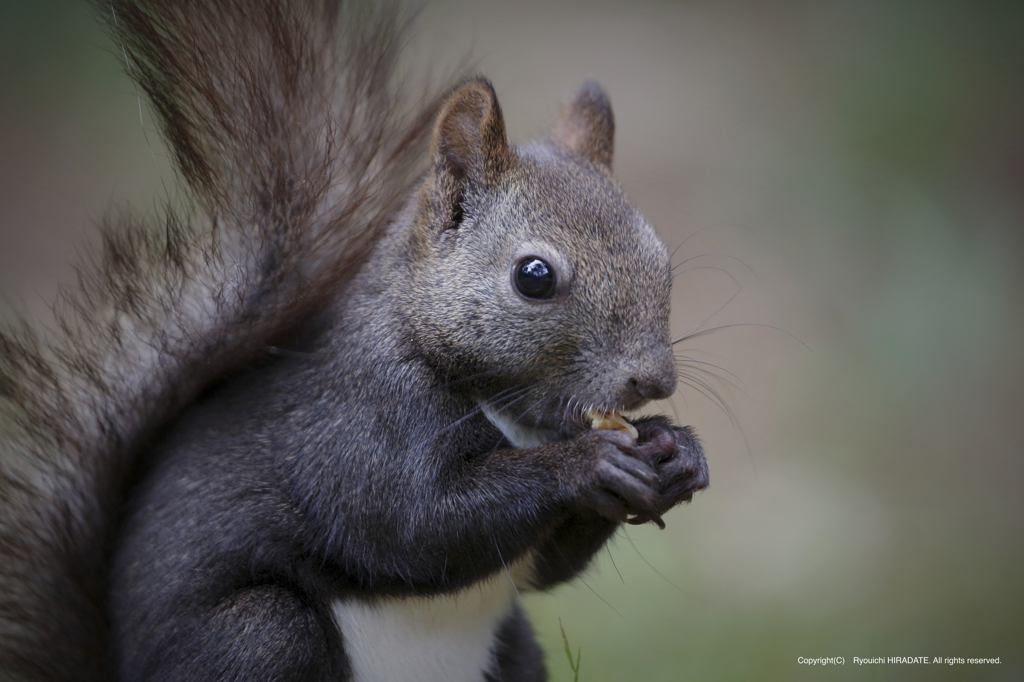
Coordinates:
[281,118]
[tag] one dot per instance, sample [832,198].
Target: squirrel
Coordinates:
[328,420]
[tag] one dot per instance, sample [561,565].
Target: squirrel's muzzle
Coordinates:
[654,386]
[638,380]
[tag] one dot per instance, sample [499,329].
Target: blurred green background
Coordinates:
[850,176]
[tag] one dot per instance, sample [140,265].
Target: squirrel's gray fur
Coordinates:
[176,502]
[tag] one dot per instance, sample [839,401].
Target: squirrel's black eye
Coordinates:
[535,278]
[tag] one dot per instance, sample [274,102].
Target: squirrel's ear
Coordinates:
[469,143]
[586,124]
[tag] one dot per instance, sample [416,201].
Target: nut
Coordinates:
[610,421]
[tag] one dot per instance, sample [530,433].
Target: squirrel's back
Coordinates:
[285,128]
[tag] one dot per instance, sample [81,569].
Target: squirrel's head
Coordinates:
[535,285]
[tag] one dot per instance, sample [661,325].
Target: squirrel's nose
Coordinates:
[655,386]
[650,377]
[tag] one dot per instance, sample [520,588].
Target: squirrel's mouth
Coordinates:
[568,419]
[577,419]
[610,421]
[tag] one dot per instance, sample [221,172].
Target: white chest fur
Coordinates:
[427,639]
[519,435]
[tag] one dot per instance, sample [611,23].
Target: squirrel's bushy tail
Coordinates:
[286,129]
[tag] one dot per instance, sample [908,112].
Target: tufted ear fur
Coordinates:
[469,135]
[469,147]
[586,124]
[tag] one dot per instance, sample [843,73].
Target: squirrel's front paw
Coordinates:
[617,484]
[677,457]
